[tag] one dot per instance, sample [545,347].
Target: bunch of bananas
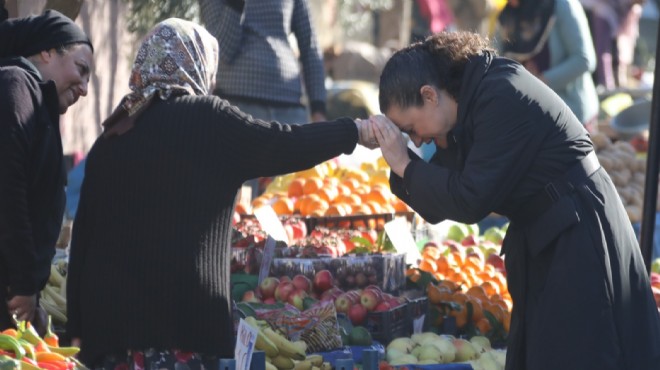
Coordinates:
[281,353]
[53,296]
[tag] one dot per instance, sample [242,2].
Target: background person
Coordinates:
[45,62]
[152,229]
[507,143]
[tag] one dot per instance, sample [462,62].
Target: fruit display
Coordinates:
[24,348]
[431,349]
[53,296]
[627,170]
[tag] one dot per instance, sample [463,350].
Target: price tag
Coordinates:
[399,233]
[270,223]
[418,325]
[246,336]
[269,252]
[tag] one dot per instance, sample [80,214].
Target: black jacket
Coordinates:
[32,179]
[150,252]
[582,298]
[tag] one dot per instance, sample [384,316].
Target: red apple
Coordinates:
[323,281]
[302,282]
[469,241]
[353,296]
[270,300]
[283,290]
[369,299]
[383,306]
[268,286]
[330,294]
[357,314]
[343,303]
[250,296]
[497,261]
[296,298]
[285,278]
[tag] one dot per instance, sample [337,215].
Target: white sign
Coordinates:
[267,259]
[246,336]
[270,223]
[399,233]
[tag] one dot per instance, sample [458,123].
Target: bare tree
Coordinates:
[70,8]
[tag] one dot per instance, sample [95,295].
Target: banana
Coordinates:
[64,351]
[302,346]
[55,295]
[285,346]
[303,365]
[55,277]
[270,366]
[263,343]
[63,288]
[316,360]
[282,362]
[52,309]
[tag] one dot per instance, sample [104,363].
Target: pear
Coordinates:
[488,362]
[446,348]
[500,356]
[404,360]
[393,353]
[465,351]
[403,344]
[481,343]
[430,352]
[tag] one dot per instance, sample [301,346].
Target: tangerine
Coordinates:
[312,185]
[295,188]
[283,206]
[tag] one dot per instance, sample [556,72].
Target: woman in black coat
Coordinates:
[508,144]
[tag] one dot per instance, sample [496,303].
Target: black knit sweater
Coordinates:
[149,262]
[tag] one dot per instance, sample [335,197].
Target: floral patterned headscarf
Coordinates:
[177,57]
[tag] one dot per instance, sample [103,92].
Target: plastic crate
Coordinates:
[387,325]
[417,308]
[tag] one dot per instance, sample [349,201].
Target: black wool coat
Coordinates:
[582,298]
[32,180]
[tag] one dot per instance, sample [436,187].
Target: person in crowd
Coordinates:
[45,64]
[551,38]
[507,143]
[148,279]
[259,70]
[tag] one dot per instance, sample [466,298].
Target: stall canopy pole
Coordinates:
[652,162]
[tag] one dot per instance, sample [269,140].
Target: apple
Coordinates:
[296,298]
[270,300]
[357,314]
[343,303]
[497,261]
[250,296]
[361,280]
[283,290]
[452,245]
[354,295]
[330,294]
[323,281]
[267,287]
[469,240]
[302,282]
[285,278]
[369,299]
[383,306]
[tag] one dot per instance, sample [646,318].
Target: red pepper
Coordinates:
[49,366]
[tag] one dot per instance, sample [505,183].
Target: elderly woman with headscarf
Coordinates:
[45,63]
[149,264]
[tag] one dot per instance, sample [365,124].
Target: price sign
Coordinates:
[270,223]
[246,336]
[269,252]
[399,233]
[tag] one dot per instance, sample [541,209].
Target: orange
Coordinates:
[483,325]
[312,185]
[375,207]
[443,264]
[460,315]
[351,183]
[431,252]
[459,297]
[242,209]
[399,205]
[459,258]
[473,261]
[438,293]
[450,284]
[331,181]
[439,276]
[379,195]
[328,193]
[317,207]
[490,288]
[477,311]
[428,265]
[343,189]
[477,291]
[283,206]
[295,188]
[494,309]
[336,210]
[302,203]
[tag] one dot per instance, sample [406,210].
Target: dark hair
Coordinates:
[438,61]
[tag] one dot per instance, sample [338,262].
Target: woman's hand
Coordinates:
[392,143]
[366,135]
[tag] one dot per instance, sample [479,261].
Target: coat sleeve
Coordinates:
[223,20]
[575,36]
[259,148]
[505,142]
[310,55]
[17,249]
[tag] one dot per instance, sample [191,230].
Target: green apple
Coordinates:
[458,232]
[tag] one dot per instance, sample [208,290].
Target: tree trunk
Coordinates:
[70,8]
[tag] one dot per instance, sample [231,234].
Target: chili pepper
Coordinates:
[29,349]
[48,366]
[29,364]
[11,332]
[12,344]
[65,351]
[8,363]
[51,338]
[27,332]
[49,357]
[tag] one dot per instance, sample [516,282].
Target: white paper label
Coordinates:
[270,223]
[399,233]
[246,336]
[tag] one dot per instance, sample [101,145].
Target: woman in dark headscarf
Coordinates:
[45,63]
[551,38]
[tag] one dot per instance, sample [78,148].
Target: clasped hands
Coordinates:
[379,131]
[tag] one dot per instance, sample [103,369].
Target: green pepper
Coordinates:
[12,344]
[8,363]
[29,349]
[26,331]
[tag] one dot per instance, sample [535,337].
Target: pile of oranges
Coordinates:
[339,192]
[465,279]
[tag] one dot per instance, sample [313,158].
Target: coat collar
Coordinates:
[475,70]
